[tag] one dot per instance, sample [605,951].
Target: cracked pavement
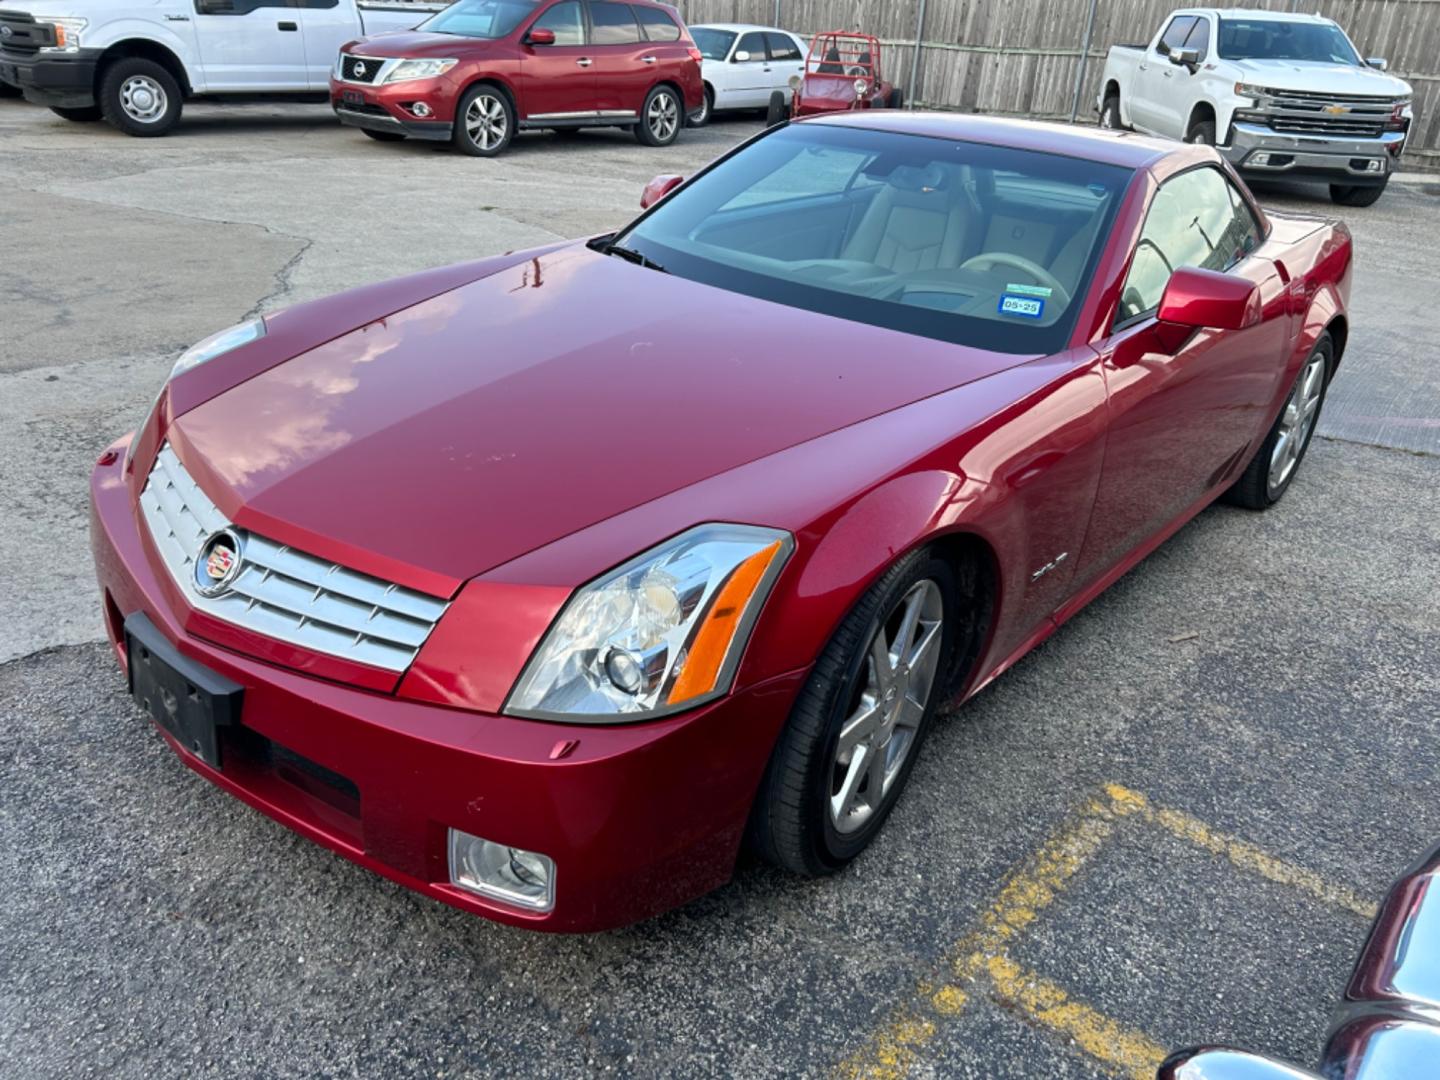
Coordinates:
[1275,675]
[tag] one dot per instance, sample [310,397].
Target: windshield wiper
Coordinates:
[638,258]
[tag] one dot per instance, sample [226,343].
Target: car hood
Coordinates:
[1321,78]
[468,429]
[420,45]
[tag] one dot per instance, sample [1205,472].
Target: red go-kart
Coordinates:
[842,72]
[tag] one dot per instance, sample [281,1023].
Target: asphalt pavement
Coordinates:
[1165,826]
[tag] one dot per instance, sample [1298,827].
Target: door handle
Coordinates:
[584,61]
[288,26]
[647,60]
[1144,67]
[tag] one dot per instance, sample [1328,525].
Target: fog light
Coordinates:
[1374,166]
[511,875]
[420,109]
[1260,159]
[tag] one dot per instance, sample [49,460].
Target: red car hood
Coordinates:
[468,429]
[418,45]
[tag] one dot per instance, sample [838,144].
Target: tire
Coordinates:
[140,98]
[82,115]
[896,99]
[1110,114]
[1202,131]
[1353,195]
[383,136]
[1264,481]
[777,113]
[484,121]
[661,117]
[702,118]
[796,822]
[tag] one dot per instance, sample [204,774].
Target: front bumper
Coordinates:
[390,107]
[57,80]
[639,818]
[1356,161]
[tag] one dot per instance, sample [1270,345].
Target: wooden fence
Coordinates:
[1022,57]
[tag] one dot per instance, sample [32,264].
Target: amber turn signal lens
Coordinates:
[712,642]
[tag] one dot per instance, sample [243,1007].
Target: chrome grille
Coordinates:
[360,69]
[1327,125]
[280,592]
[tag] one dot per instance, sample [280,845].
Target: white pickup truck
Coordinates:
[1277,93]
[133,62]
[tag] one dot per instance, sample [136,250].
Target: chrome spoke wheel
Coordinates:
[1297,421]
[889,705]
[143,99]
[663,116]
[486,122]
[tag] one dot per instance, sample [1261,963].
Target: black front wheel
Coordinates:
[1203,132]
[701,118]
[661,117]
[140,98]
[82,115]
[1355,195]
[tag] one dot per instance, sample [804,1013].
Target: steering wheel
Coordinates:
[988,259]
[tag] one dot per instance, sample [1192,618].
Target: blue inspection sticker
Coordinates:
[1027,307]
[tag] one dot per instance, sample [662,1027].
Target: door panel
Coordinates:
[558,79]
[625,63]
[787,60]
[1154,78]
[750,79]
[244,45]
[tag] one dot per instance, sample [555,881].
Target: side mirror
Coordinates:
[1379,63]
[1197,299]
[658,188]
[741,57]
[1189,58]
[540,36]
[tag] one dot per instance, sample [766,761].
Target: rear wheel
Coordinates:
[856,728]
[777,113]
[484,121]
[1268,476]
[140,98]
[84,114]
[660,117]
[384,136]
[1202,131]
[702,118]
[1354,195]
[896,99]
[1110,114]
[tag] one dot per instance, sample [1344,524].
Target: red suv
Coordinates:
[482,69]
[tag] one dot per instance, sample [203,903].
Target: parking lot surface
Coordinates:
[1168,825]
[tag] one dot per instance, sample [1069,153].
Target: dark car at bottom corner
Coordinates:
[537,585]
[480,71]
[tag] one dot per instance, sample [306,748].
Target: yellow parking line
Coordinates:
[1243,854]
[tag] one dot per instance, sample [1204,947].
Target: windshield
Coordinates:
[485,19]
[1276,39]
[963,242]
[713,44]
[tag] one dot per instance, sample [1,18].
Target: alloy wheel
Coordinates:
[889,705]
[663,116]
[143,99]
[486,122]
[1297,421]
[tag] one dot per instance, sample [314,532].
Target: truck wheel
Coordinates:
[701,118]
[1202,131]
[661,117]
[484,121]
[1351,195]
[84,114]
[776,113]
[897,99]
[139,97]
[383,136]
[1110,114]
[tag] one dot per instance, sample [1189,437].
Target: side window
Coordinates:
[656,24]
[783,47]
[1195,219]
[754,44]
[1175,34]
[236,7]
[1199,38]
[612,24]
[315,5]
[567,22]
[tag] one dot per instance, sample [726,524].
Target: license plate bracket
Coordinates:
[352,97]
[184,697]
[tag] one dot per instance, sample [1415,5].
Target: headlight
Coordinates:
[67,33]
[662,633]
[1250,90]
[419,69]
[861,86]
[218,345]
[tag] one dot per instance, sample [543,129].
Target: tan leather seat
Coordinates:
[917,221]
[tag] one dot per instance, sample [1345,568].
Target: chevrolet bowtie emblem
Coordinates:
[1337,110]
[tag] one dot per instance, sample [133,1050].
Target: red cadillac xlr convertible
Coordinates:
[543,583]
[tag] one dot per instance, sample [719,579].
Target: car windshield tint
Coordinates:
[485,19]
[963,242]
[1275,39]
[713,44]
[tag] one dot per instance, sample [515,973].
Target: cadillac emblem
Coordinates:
[218,564]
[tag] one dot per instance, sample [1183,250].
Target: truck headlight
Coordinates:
[661,633]
[1250,90]
[419,69]
[67,33]
[218,345]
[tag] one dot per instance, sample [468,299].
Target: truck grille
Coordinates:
[1300,112]
[360,69]
[280,592]
[26,36]
[1328,125]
